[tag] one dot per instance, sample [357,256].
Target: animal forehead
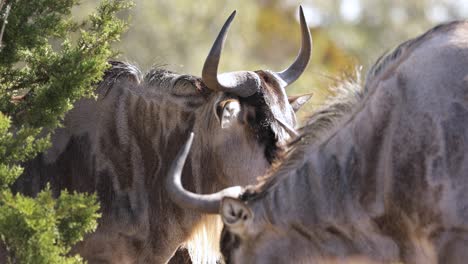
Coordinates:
[274,96]
[270,85]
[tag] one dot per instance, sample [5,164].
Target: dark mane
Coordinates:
[119,70]
[348,93]
[157,74]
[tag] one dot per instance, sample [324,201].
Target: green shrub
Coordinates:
[47,62]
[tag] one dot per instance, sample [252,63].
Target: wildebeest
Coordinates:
[380,175]
[121,146]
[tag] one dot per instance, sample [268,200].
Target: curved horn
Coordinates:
[206,203]
[244,83]
[299,65]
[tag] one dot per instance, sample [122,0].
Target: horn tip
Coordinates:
[233,14]
[188,144]
[190,139]
[301,14]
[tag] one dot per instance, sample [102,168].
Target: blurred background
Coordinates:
[347,34]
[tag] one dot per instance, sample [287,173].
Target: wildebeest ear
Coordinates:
[298,101]
[229,113]
[235,214]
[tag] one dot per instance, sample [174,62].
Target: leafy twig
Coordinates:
[5,21]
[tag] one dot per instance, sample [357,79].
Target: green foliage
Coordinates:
[16,147]
[42,230]
[53,78]
[47,62]
[77,215]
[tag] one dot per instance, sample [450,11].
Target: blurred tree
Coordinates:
[367,28]
[351,33]
[47,62]
[179,33]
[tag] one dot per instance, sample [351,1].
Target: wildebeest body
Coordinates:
[389,181]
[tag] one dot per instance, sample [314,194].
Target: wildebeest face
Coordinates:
[245,135]
[250,238]
[242,128]
[236,147]
[270,246]
[253,115]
